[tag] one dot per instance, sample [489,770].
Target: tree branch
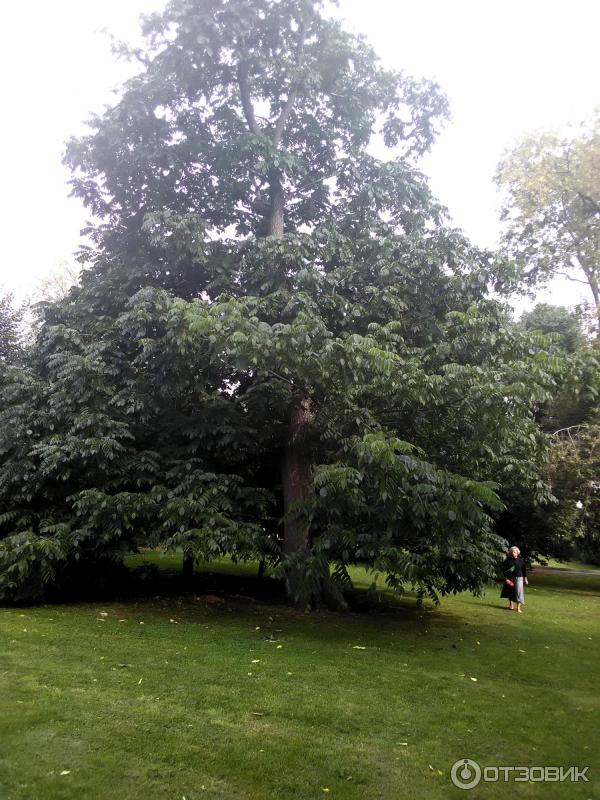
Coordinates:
[293,93]
[242,77]
[591,203]
[571,278]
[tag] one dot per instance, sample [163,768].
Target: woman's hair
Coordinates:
[514,549]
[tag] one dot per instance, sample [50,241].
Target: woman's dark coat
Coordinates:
[512,568]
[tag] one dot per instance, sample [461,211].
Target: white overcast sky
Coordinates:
[507,66]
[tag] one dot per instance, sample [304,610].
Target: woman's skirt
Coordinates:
[516,593]
[519,590]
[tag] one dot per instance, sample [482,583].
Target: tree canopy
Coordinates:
[279,348]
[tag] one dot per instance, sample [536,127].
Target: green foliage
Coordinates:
[559,320]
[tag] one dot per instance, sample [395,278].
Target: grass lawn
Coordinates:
[200,697]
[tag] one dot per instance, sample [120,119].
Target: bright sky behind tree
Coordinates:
[507,66]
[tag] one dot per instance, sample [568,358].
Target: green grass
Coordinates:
[235,700]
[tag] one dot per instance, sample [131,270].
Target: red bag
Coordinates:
[510,583]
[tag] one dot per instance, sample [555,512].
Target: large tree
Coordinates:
[552,207]
[273,325]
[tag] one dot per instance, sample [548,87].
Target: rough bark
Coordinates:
[596,293]
[276,207]
[296,478]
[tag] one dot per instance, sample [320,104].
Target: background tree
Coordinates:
[552,207]
[574,471]
[577,401]
[559,528]
[559,320]
[57,282]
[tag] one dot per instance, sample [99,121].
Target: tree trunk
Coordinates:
[296,473]
[596,293]
[296,478]
[591,274]
[187,568]
[275,227]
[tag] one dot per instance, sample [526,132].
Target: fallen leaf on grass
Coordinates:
[358,647]
[65,771]
[474,679]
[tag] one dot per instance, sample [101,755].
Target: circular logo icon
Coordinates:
[465,773]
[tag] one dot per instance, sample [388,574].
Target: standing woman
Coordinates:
[515,577]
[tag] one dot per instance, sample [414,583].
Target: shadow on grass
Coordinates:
[226,587]
[566,582]
[117,582]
